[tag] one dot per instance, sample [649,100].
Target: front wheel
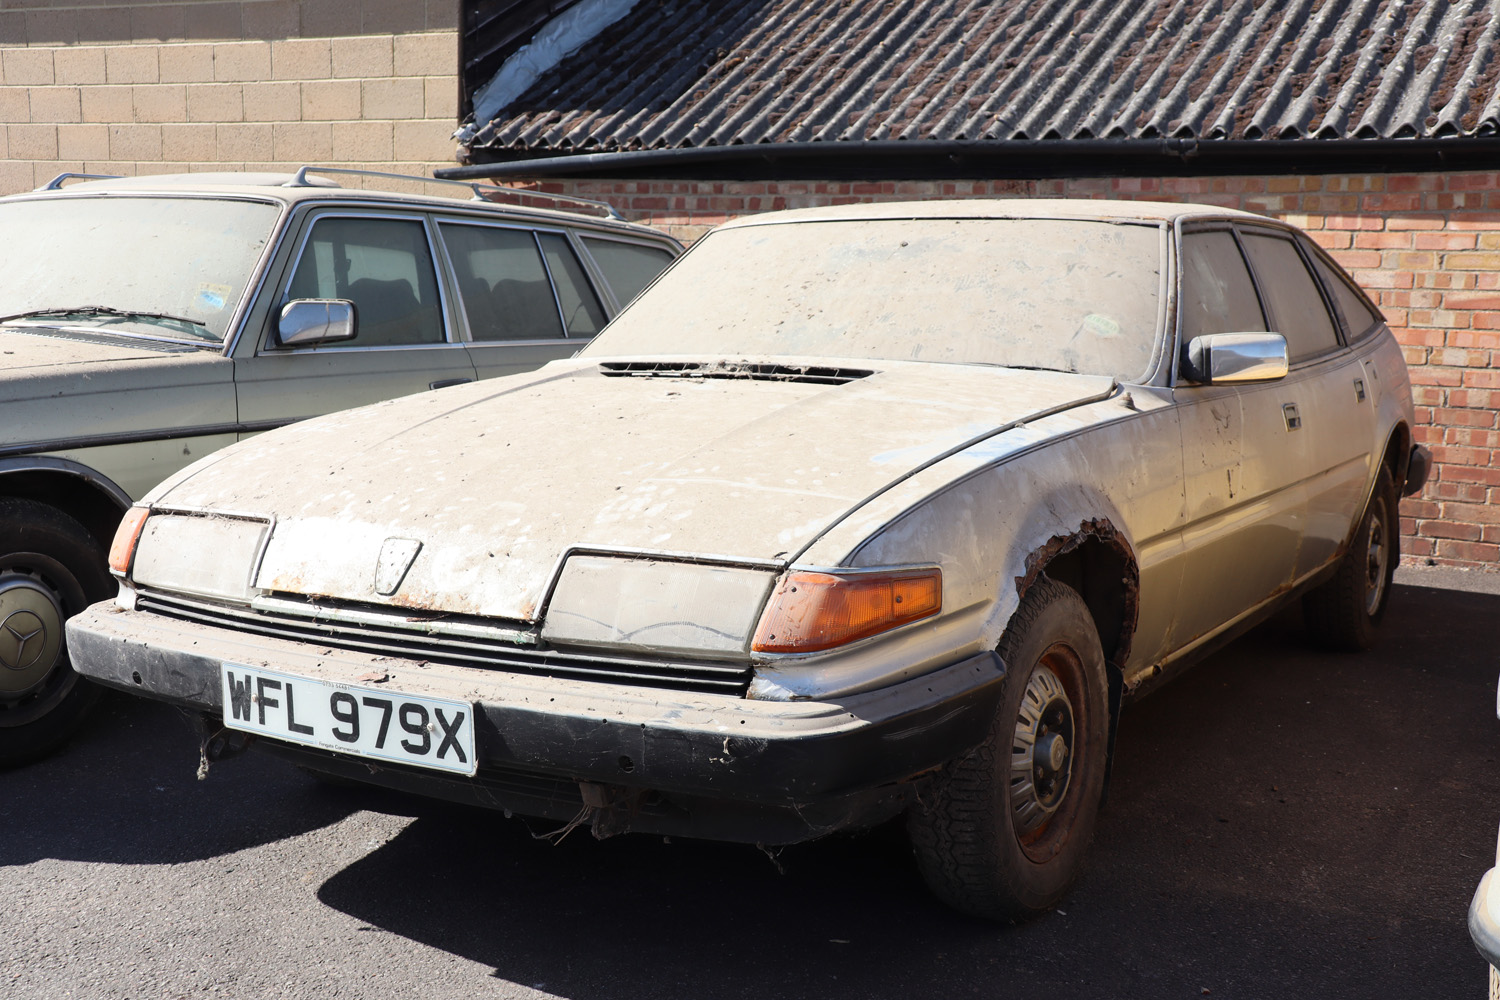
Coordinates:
[1002,831]
[50,569]
[1343,612]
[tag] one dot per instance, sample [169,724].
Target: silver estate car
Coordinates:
[854,512]
[145,322]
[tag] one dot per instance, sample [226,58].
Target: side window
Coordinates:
[1356,310]
[628,267]
[1217,293]
[1297,307]
[502,282]
[582,314]
[385,268]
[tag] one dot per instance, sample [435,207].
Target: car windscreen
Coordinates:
[1069,295]
[163,267]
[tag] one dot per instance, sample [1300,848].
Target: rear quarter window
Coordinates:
[628,267]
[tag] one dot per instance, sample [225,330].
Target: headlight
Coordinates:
[212,555]
[811,611]
[655,604]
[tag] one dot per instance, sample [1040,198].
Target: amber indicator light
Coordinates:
[812,611]
[126,536]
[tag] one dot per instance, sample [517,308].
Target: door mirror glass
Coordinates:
[307,322]
[1235,358]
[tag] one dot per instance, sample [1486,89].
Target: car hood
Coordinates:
[498,480]
[27,351]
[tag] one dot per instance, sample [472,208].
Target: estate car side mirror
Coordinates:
[1235,358]
[305,322]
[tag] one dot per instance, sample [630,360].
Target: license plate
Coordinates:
[366,722]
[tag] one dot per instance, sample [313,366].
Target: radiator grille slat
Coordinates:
[461,651]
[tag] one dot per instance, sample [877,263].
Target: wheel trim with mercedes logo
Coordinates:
[30,633]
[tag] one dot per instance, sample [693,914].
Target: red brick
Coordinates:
[1392,202]
[1469,474]
[1468,513]
[1473,220]
[1381,241]
[1483,180]
[1421,509]
[1414,182]
[1447,454]
[1474,552]
[1416,220]
[1448,529]
[1383,279]
[1472,339]
[1457,417]
[1463,492]
[1443,241]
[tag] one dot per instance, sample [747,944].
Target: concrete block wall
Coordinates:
[129,87]
[1426,247]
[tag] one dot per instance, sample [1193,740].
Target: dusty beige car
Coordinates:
[853,512]
[145,322]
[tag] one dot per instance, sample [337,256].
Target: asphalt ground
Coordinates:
[1281,823]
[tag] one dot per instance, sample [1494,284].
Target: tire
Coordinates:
[1342,613]
[991,839]
[50,569]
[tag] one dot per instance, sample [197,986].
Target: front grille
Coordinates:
[459,650]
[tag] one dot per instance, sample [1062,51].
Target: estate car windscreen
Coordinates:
[1067,295]
[161,267]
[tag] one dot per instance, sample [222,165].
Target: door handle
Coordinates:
[1359,390]
[444,383]
[1289,412]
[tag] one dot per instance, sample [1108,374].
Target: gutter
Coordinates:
[919,159]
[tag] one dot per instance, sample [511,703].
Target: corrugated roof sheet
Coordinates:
[683,73]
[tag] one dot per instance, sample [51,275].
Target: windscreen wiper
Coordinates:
[102,311]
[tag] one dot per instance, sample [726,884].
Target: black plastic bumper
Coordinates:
[684,751]
[1417,469]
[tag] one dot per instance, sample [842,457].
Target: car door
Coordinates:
[1355,406]
[385,263]
[1244,454]
[524,297]
[1331,392]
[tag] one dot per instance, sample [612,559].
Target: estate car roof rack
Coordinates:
[300,180]
[68,175]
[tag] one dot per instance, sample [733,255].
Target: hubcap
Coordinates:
[1042,752]
[30,633]
[1377,558]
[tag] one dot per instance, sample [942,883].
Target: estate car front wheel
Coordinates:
[50,569]
[1002,831]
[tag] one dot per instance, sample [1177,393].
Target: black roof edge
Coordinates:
[918,159]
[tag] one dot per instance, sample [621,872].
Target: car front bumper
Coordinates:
[679,763]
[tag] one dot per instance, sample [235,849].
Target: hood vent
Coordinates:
[819,374]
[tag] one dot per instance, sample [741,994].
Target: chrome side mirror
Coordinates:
[1235,358]
[315,321]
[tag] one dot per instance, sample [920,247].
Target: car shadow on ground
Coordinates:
[125,791]
[1281,822]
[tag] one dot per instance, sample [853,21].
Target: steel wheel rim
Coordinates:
[1377,559]
[1043,751]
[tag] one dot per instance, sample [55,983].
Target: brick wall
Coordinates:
[131,87]
[1426,246]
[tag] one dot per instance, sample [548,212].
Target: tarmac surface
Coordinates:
[1281,823]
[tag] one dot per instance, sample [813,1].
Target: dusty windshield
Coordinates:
[153,266]
[1069,295]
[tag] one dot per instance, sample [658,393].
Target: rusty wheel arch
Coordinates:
[1097,562]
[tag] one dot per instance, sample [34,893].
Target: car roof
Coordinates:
[1001,208]
[312,185]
